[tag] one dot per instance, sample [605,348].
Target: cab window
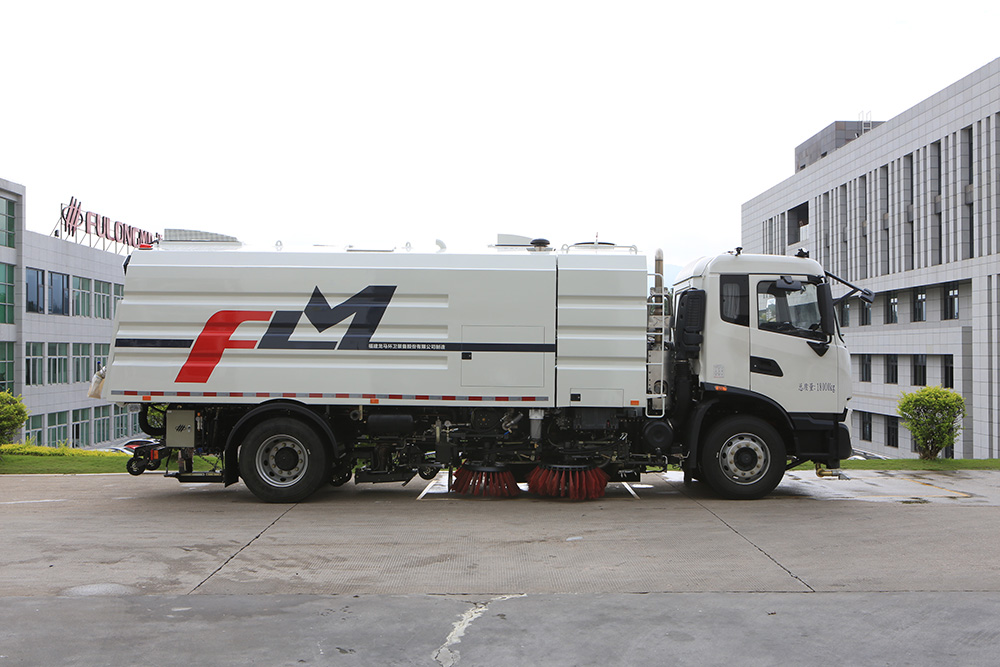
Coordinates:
[794,312]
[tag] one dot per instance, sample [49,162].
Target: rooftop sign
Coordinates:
[96,229]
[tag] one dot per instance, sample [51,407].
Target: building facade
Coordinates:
[910,209]
[58,303]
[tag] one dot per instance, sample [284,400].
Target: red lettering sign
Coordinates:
[215,339]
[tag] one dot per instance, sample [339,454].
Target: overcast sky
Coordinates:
[380,123]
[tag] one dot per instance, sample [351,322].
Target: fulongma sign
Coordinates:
[87,223]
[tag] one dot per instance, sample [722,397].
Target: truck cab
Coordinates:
[759,340]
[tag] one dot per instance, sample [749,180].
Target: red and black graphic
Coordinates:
[366,309]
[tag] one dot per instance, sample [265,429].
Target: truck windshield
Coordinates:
[792,312]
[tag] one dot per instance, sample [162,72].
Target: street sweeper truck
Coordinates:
[565,368]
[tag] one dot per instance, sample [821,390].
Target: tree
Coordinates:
[934,417]
[13,414]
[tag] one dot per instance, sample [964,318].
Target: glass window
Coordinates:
[919,304]
[845,313]
[81,296]
[34,299]
[133,423]
[919,370]
[7,367]
[7,222]
[789,311]
[866,313]
[121,422]
[81,427]
[58,431]
[102,300]
[950,303]
[892,431]
[7,293]
[58,363]
[866,426]
[119,291]
[948,371]
[891,308]
[81,362]
[58,293]
[865,367]
[102,424]
[34,431]
[34,363]
[892,369]
[101,352]
[734,302]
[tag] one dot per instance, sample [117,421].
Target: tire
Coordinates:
[743,458]
[283,461]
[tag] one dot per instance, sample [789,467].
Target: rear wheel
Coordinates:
[283,461]
[743,458]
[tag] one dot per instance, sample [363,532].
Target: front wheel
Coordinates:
[283,461]
[743,458]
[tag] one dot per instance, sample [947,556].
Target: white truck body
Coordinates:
[295,367]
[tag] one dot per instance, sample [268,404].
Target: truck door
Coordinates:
[791,358]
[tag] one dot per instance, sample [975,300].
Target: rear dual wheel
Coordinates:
[282,460]
[743,458]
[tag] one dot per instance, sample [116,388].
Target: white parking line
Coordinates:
[25,502]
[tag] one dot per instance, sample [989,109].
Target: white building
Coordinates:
[910,209]
[57,302]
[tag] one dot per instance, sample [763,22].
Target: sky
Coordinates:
[381,123]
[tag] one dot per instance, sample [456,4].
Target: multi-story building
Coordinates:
[910,209]
[59,298]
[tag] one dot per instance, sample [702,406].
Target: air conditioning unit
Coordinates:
[970,194]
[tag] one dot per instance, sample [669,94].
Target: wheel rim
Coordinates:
[744,458]
[282,460]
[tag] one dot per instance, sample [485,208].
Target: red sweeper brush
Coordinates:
[578,482]
[474,479]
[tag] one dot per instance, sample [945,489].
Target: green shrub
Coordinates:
[13,414]
[934,417]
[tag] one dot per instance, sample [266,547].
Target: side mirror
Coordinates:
[867,296]
[827,317]
[788,284]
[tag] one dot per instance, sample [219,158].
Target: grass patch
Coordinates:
[31,460]
[920,464]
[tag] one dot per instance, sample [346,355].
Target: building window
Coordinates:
[58,293]
[119,292]
[133,423]
[919,370]
[34,300]
[919,304]
[102,424]
[7,293]
[948,371]
[7,222]
[58,363]
[34,364]
[892,431]
[34,431]
[866,313]
[81,296]
[865,366]
[81,427]
[892,369]
[101,352]
[121,422]
[845,313]
[866,426]
[7,367]
[102,300]
[81,362]
[950,303]
[58,431]
[891,308]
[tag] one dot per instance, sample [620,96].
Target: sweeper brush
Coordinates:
[473,479]
[578,482]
